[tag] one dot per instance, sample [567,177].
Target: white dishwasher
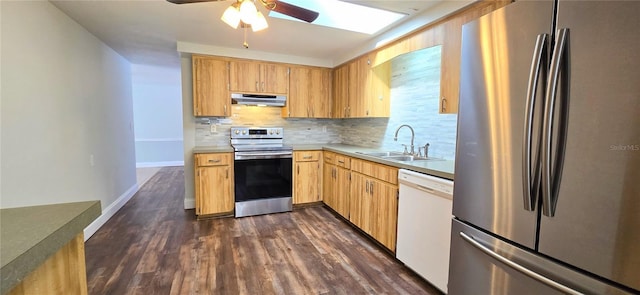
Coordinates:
[424,225]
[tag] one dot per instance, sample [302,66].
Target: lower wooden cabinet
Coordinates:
[214,183]
[329,185]
[374,201]
[336,184]
[361,202]
[384,213]
[307,177]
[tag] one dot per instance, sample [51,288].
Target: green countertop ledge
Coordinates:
[30,235]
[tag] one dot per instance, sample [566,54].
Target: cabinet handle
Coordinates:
[298,167]
[225,109]
[307,157]
[214,161]
[227,173]
[349,111]
[263,86]
[444,104]
[335,174]
[340,161]
[345,112]
[256,85]
[307,111]
[371,189]
[366,186]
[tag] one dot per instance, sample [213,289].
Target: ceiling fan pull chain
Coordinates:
[245,44]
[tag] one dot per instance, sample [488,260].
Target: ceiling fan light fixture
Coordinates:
[260,22]
[231,16]
[248,12]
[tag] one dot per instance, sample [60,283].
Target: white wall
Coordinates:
[66,98]
[157,115]
[189,129]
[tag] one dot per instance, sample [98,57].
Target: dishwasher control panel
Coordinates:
[429,182]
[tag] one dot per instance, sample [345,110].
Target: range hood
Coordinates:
[258,99]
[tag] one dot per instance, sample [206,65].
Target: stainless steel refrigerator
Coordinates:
[547,177]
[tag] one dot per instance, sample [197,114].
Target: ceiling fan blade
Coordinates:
[190,1]
[292,10]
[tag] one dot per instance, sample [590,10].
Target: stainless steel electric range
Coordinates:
[262,171]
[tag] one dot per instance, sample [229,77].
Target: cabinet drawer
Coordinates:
[329,157]
[306,156]
[343,161]
[375,170]
[219,159]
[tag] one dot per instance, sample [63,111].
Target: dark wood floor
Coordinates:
[154,246]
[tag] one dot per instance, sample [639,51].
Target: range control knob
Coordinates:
[277,131]
[237,131]
[271,131]
[244,132]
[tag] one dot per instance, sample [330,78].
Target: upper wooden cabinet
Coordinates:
[451,51]
[340,91]
[309,93]
[367,92]
[256,77]
[210,87]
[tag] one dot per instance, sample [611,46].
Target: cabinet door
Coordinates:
[307,182]
[450,67]
[360,202]
[340,92]
[213,190]
[320,93]
[298,104]
[356,106]
[274,79]
[210,87]
[384,217]
[377,94]
[244,77]
[342,191]
[329,186]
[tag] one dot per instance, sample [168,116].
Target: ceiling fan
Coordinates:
[275,5]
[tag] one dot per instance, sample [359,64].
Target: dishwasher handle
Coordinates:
[424,188]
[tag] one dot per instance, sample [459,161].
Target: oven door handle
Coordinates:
[262,155]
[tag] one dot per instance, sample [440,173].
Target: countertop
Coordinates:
[212,149]
[439,168]
[30,235]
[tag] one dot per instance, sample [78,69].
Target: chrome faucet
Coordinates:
[395,138]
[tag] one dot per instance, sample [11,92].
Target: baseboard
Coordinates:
[189,203]
[108,212]
[159,164]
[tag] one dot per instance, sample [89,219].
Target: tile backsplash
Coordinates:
[415,90]
[297,130]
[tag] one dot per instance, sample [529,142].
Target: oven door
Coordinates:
[262,175]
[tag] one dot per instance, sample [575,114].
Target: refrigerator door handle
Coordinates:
[549,186]
[539,54]
[518,267]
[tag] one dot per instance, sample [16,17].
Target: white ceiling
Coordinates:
[147,31]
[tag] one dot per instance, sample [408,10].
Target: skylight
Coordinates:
[345,16]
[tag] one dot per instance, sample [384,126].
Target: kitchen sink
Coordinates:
[383,154]
[403,158]
[398,156]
